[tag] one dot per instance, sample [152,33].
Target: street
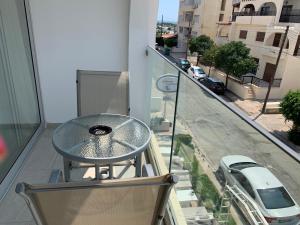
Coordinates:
[218,132]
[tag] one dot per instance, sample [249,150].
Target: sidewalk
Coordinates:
[274,123]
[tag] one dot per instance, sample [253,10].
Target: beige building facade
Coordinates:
[261,25]
[197,17]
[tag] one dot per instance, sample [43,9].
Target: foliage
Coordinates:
[208,190]
[177,147]
[160,41]
[209,55]
[294,136]
[200,44]
[290,108]
[244,66]
[170,42]
[185,139]
[234,55]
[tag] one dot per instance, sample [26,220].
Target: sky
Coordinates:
[169,8]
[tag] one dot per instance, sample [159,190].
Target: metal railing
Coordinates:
[292,16]
[251,79]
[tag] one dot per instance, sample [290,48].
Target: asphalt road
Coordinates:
[218,132]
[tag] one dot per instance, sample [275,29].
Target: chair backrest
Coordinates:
[137,201]
[102,92]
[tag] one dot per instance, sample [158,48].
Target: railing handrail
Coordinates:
[260,82]
[255,13]
[248,204]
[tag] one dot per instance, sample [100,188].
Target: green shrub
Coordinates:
[170,42]
[294,136]
[290,108]
[185,139]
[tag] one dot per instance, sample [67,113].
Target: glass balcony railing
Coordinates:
[219,154]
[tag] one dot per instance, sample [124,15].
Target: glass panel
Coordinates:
[209,137]
[19,112]
[164,77]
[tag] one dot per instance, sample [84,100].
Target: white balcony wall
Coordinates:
[257,20]
[89,35]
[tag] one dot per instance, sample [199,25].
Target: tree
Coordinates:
[200,45]
[290,108]
[160,41]
[170,42]
[234,59]
[209,57]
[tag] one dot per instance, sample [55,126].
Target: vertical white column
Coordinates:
[142,30]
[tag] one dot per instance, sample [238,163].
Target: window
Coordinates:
[297,48]
[188,17]
[180,29]
[275,198]
[277,39]
[196,19]
[223,5]
[221,17]
[260,36]
[243,34]
[244,183]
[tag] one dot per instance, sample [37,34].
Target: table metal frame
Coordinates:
[135,155]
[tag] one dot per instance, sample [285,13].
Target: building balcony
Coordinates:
[192,128]
[257,18]
[292,16]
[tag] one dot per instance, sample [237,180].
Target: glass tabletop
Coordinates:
[102,138]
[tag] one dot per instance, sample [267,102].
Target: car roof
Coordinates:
[213,79]
[183,59]
[261,178]
[233,159]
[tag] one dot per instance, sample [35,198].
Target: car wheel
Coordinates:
[220,176]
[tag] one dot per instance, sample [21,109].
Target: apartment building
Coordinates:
[197,17]
[261,25]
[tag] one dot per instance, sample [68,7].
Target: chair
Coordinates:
[136,201]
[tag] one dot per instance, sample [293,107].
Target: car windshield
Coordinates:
[275,198]
[199,71]
[243,165]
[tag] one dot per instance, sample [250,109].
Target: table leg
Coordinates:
[138,165]
[97,171]
[67,165]
[111,172]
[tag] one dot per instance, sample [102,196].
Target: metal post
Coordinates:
[161,26]
[138,165]
[188,38]
[276,66]
[174,121]
[67,165]
[97,172]
[111,171]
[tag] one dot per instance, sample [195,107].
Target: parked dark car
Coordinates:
[214,85]
[184,64]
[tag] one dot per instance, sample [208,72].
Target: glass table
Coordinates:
[101,140]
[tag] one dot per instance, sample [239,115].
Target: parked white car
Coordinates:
[256,181]
[196,72]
